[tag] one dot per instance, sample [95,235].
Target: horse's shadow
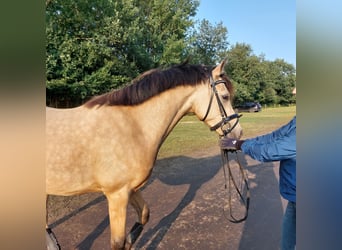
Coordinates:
[266,209]
[181,170]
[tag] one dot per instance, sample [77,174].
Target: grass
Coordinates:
[190,134]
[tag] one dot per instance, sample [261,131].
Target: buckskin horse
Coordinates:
[110,143]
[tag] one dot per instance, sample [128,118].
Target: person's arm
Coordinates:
[277,134]
[280,149]
[278,145]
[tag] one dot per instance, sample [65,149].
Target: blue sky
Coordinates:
[268,26]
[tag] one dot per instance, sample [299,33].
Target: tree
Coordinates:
[208,43]
[284,80]
[95,46]
[82,37]
[164,24]
[256,79]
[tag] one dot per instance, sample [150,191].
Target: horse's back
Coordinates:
[62,124]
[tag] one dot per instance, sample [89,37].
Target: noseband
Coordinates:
[225,118]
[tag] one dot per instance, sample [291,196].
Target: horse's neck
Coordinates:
[161,114]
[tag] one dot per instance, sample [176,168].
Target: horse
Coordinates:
[110,143]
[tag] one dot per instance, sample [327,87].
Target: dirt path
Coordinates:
[186,196]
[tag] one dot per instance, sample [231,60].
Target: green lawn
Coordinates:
[190,134]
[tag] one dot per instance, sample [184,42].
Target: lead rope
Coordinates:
[231,182]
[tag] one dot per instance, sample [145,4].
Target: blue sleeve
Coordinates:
[275,146]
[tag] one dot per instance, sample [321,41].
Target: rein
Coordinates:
[232,183]
[225,155]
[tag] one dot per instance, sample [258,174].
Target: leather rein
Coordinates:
[230,181]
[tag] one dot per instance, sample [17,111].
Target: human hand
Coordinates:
[230,144]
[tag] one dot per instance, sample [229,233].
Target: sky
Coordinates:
[268,26]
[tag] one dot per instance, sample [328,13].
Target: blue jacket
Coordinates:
[279,145]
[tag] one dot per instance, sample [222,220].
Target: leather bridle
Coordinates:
[225,118]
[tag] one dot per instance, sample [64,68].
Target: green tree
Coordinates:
[284,80]
[208,43]
[94,46]
[164,25]
[82,37]
[256,79]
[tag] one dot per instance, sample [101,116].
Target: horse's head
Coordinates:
[216,104]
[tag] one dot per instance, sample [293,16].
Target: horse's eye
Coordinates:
[225,97]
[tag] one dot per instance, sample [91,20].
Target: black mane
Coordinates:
[152,83]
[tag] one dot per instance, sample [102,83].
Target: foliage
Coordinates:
[95,46]
[208,43]
[256,79]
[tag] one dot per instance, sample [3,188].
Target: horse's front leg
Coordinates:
[117,205]
[143,212]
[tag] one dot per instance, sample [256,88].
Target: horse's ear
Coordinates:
[219,69]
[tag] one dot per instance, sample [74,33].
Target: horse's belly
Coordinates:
[65,181]
[68,170]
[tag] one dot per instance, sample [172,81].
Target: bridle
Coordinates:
[225,154]
[225,118]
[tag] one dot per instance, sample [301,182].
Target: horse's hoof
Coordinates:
[134,233]
[51,240]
